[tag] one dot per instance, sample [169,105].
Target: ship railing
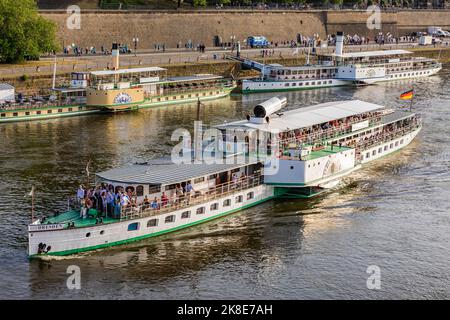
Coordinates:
[37,105]
[387,136]
[189,200]
[178,90]
[333,132]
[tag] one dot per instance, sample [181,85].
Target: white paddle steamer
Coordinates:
[297,153]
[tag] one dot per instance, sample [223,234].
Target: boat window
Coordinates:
[238,199]
[214,206]
[200,210]
[133,226]
[140,191]
[198,180]
[250,195]
[169,219]
[154,189]
[391,145]
[170,187]
[185,215]
[367,155]
[49,111]
[227,203]
[88,235]
[374,152]
[3,115]
[152,223]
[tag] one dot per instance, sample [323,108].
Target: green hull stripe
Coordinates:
[99,109]
[180,101]
[49,116]
[293,89]
[73,251]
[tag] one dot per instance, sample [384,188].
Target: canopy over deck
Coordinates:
[195,77]
[308,116]
[163,173]
[125,71]
[368,54]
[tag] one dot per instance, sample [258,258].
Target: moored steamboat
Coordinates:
[340,69]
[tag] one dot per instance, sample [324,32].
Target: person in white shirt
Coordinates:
[80,194]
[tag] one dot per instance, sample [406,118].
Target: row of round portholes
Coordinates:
[89,234]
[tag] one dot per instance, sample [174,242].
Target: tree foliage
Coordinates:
[24,33]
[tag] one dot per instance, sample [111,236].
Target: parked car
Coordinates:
[257,42]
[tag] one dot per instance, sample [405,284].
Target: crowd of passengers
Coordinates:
[108,201]
[320,131]
[111,202]
[387,133]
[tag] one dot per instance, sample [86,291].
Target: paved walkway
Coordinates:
[151,58]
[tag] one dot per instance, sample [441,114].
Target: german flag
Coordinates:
[408,95]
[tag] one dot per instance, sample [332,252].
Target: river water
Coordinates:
[393,214]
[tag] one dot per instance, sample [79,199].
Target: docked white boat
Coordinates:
[306,150]
[339,69]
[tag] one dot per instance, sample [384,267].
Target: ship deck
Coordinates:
[74,216]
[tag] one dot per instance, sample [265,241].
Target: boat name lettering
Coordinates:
[46,227]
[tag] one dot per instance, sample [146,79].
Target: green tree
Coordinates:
[199,3]
[24,33]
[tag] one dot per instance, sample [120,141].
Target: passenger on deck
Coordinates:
[146,203]
[234,178]
[124,200]
[80,194]
[154,204]
[109,203]
[189,189]
[104,203]
[87,206]
[164,199]
[179,193]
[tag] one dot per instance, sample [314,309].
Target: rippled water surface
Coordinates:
[394,213]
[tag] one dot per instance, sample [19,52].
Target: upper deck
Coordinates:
[309,116]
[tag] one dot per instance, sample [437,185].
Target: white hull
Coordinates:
[386,148]
[289,85]
[403,75]
[69,241]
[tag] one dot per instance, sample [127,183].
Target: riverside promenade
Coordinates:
[149,57]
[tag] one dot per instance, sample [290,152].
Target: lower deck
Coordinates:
[44,113]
